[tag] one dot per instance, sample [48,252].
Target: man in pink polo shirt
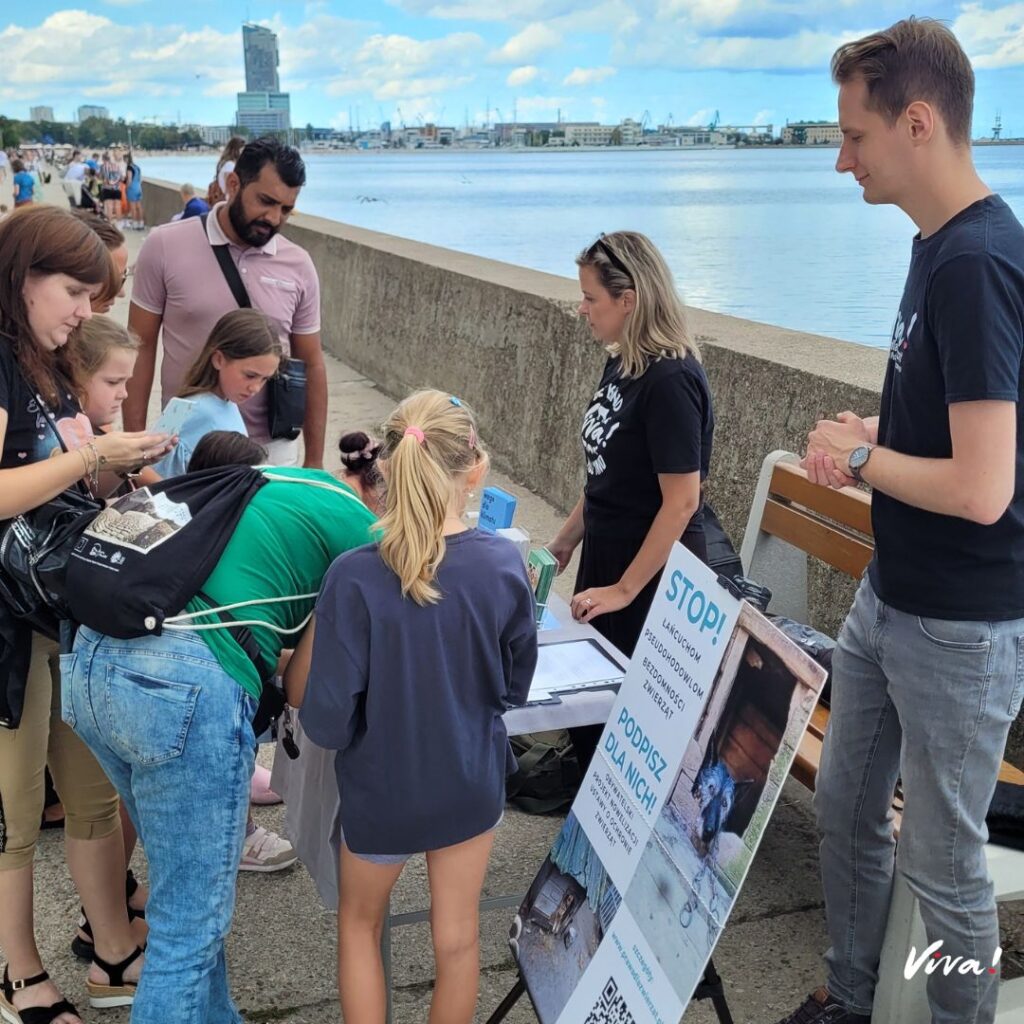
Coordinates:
[180,287]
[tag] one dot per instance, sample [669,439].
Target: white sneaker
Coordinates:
[266,851]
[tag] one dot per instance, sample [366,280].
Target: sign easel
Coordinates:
[623,916]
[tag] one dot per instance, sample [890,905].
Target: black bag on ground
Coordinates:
[1005,818]
[144,557]
[820,646]
[549,775]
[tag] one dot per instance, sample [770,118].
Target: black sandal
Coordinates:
[85,949]
[31,1014]
[117,991]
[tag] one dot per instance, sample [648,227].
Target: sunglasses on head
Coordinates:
[603,245]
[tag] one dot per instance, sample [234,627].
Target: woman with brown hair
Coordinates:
[51,266]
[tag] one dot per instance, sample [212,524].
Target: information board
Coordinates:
[623,916]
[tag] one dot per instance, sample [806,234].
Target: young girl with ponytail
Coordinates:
[418,645]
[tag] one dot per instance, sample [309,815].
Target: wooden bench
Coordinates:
[790,520]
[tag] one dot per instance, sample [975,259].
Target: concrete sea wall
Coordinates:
[507,340]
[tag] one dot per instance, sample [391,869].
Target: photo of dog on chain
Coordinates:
[731,775]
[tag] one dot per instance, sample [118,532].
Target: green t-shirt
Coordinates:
[284,543]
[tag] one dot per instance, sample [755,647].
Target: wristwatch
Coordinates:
[858,459]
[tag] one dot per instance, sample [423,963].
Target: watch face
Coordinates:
[858,457]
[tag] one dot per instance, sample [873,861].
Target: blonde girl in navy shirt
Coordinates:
[418,645]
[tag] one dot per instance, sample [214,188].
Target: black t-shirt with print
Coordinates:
[30,436]
[959,337]
[636,428]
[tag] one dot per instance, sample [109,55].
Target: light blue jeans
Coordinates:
[173,732]
[929,701]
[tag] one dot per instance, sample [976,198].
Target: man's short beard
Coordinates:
[243,227]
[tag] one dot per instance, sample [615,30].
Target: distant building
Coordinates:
[812,133]
[40,113]
[262,107]
[259,45]
[87,110]
[264,112]
[212,135]
[506,133]
[589,133]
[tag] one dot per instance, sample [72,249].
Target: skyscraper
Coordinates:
[261,60]
[262,107]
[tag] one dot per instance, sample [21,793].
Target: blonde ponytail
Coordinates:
[429,440]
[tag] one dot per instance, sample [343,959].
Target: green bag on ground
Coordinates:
[548,776]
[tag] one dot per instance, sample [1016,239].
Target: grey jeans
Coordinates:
[929,701]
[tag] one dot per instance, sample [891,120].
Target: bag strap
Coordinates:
[268,472]
[243,636]
[184,621]
[229,270]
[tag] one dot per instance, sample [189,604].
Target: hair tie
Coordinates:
[454,400]
[414,432]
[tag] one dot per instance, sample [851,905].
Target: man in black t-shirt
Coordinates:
[929,672]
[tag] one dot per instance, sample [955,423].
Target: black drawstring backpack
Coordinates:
[144,557]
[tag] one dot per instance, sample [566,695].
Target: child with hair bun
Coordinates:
[359,469]
[431,626]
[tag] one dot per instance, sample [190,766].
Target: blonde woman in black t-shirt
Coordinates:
[646,438]
[51,265]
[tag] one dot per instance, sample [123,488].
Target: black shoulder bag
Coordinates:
[286,390]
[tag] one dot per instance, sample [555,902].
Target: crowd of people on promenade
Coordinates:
[380,609]
[107,183]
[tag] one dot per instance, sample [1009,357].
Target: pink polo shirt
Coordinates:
[177,276]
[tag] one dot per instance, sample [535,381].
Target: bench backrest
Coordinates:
[792,518]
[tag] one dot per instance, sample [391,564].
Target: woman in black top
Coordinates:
[646,438]
[51,265]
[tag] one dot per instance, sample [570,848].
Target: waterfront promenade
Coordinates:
[282,948]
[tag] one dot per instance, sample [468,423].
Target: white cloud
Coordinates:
[527,105]
[75,54]
[396,67]
[654,47]
[488,10]
[587,76]
[536,38]
[763,117]
[992,38]
[700,118]
[521,76]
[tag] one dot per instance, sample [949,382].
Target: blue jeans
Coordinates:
[929,701]
[173,732]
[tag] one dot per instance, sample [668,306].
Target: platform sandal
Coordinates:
[85,949]
[9,1014]
[117,991]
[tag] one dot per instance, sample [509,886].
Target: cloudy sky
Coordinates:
[755,61]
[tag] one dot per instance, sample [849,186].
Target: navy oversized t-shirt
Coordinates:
[959,337]
[412,696]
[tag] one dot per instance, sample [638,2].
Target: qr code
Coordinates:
[610,1007]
